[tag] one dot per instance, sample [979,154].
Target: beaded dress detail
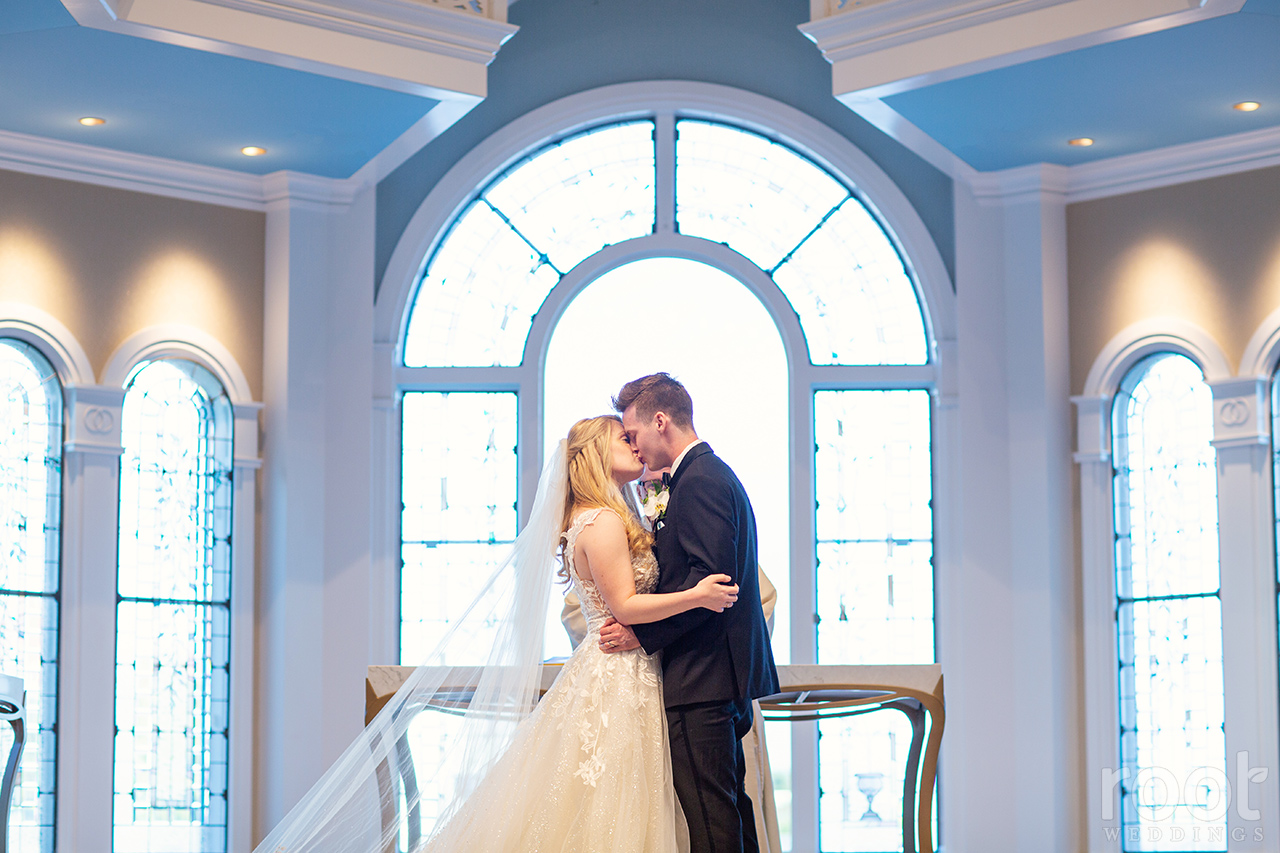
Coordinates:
[590,769]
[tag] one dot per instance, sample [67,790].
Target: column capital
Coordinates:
[93,422]
[1240,412]
[1093,429]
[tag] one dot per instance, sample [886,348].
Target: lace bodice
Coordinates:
[594,608]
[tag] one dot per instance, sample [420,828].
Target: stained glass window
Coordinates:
[822,246]
[830,256]
[173,615]
[874,529]
[30,511]
[499,260]
[459,492]
[1168,613]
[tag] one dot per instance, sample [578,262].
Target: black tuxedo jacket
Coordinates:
[709,528]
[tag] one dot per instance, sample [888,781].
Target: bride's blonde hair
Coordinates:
[589,460]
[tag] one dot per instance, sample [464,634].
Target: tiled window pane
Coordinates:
[477,301]
[173,640]
[30,504]
[748,192]
[874,525]
[501,258]
[582,194]
[458,482]
[1169,618]
[851,290]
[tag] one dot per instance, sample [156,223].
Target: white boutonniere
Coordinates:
[653,500]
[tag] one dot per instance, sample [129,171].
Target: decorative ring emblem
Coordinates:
[98,420]
[1234,413]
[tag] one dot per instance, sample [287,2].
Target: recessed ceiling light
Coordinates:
[92,121]
[1246,106]
[253,151]
[1080,142]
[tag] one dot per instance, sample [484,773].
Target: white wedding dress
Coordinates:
[589,770]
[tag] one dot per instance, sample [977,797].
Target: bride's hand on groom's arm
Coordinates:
[616,637]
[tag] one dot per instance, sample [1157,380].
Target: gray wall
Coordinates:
[569,46]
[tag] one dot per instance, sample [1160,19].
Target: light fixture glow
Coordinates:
[92,121]
[1246,106]
[253,151]
[1080,142]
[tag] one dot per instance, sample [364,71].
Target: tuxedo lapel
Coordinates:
[694,453]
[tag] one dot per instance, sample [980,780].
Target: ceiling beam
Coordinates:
[439,49]
[879,48]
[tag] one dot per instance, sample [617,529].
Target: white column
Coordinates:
[314,604]
[1248,570]
[975,632]
[243,559]
[86,711]
[1098,617]
[1045,699]
[1007,613]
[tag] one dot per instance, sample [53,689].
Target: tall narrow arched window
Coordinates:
[173,615]
[677,243]
[1172,760]
[30,511]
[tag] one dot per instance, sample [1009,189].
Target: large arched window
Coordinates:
[30,511]
[1172,762]
[173,615]
[703,205]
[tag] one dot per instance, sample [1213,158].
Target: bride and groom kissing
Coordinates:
[636,747]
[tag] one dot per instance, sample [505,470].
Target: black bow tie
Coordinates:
[666,479]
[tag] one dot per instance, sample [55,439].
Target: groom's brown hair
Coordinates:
[657,392]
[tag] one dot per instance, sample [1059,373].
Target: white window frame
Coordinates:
[665,103]
[1241,438]
[91,474]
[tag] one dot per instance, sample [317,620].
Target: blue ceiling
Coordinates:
[1160,89]
[1156,90]
[186,104]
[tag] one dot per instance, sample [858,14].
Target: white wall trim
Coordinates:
[1262,354]
[88,164]
[683,98]
[1155,334]
[1113,176]
[45,332]
[172,339]
[71,161]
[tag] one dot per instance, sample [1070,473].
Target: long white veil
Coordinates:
[428,737]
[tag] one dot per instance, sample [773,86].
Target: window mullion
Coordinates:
[664,138]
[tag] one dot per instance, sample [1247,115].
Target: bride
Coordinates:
[588,767]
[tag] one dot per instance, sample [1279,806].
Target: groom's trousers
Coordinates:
[710,772]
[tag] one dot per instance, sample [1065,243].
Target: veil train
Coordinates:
[355,807]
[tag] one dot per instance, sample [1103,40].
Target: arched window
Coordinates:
[30,514]
[645,220]
[1168,610]
[173,615]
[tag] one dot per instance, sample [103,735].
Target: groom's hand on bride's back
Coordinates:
[616,637]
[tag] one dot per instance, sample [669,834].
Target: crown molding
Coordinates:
[1130,173]
[432,48]
[1176,164]
[87,164]
[886,47]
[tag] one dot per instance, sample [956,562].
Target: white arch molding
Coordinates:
[649,99]
[664,102]
[47,334]
[175,340]
[1152,335]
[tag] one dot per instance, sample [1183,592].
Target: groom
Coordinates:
[713,664]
